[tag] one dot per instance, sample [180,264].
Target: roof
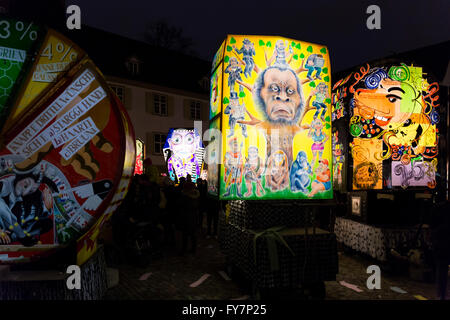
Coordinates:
[434,58]
[159,66]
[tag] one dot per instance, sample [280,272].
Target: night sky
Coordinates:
[340,25]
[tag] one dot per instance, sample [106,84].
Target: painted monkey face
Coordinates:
[183,143]
[280,95]
[279,158]
[233,62]
[322,89]
[322,171]
[280,45]
[317,125]
[234,146]
[382,104]
[302,159]
[253,153]
[234,102]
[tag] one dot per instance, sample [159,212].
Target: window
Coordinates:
[119,91]
[158,142]
[134,66]
[195,110]
[205,83]
[160,103]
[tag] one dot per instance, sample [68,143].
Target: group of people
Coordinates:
[165,209]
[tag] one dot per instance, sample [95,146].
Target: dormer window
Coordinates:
[134,66]
[195,110]
[204,82]
[119,91]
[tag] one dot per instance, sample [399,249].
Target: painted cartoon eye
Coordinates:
[189,139]
[177,139]
[274,88]
[392,98]
[290,91]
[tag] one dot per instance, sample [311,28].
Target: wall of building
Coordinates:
[138,100]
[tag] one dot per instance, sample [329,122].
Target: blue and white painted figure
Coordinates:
[234,72]
[253,172]
[300,173]
[234,168]
[314,62]
[235,112]
[25,202]
[321,93]
[280,50]
[247,51]
[279,55]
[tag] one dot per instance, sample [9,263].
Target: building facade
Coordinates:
[161,89]
[154,110]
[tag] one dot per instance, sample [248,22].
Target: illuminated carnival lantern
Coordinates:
[183,153]
[140,156]
[68,147]
[386,135]
[270,120]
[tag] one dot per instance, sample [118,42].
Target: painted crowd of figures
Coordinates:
[40,207]
[278,94]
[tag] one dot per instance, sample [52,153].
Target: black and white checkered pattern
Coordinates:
[315,256]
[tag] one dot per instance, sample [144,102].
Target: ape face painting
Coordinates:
[277,176]
[253,153]
[281,95]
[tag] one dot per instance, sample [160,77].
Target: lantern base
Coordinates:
[306,259]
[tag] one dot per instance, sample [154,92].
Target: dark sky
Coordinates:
[341,25]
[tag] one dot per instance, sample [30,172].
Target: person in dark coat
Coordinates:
[168,219]
[188,215]
[202,188]
[212,216]
[440,233]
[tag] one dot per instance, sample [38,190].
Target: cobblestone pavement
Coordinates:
[171,276]
[352,269]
